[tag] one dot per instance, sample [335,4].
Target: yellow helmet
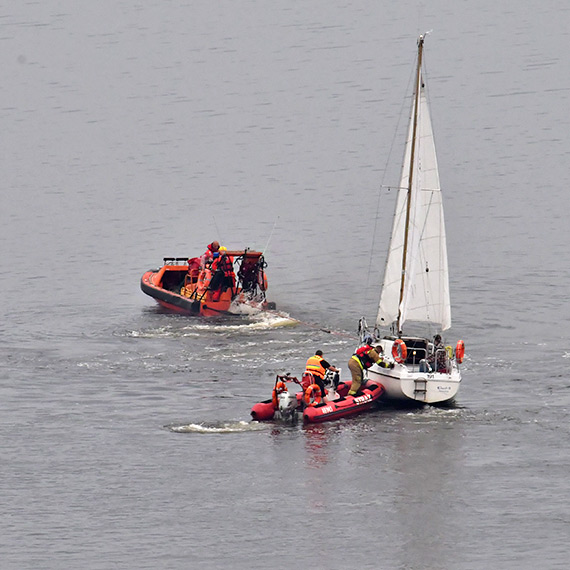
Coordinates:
[222,248]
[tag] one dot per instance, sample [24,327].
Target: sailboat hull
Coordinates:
[406,381]
[403,385]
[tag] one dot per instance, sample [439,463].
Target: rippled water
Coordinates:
[133,132]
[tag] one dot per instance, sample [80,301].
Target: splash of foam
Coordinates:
[262,320]
[222,427]
[273,319]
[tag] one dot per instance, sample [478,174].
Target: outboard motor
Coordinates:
[287,405]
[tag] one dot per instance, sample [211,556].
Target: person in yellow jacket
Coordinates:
[318,366]
[364,357]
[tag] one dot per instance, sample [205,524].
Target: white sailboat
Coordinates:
[416,281]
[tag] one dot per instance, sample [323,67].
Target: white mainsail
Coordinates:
[420,290]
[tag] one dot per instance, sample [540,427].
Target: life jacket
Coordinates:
[314,366]
[226,265]
[362,356]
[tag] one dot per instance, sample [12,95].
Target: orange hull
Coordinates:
[172,288]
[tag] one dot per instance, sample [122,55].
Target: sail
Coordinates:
[425,296]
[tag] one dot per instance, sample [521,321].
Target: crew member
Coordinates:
[317,366]
[364,357]
[438,359]
[248,274]
[208,255]
[224,277]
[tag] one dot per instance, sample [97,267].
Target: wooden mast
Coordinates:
[412,157]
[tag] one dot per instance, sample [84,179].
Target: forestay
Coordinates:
[425,294]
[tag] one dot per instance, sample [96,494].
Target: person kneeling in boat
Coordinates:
[364,357]
[317,366]
[224,277]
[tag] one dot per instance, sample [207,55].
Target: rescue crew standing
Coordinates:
[317,366]
[224,277]
[364,357]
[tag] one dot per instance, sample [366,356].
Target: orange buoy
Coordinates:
[399,350]
[459,351]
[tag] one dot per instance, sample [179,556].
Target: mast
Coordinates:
[410,181]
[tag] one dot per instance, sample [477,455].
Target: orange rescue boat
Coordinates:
[236,284]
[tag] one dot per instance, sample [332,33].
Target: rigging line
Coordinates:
[312,325]
[427,82]
[382,182]
[270,235]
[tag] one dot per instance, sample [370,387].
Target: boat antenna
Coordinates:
[270,235]
[217,229]
[410,181]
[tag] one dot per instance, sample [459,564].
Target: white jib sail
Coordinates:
[426,284]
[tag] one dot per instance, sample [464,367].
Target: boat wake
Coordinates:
[260,321]
[161,332]
[264,320]
[221,427]
[274,319]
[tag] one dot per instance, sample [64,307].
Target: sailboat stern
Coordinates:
[428,388]
[409,381]
[433,388]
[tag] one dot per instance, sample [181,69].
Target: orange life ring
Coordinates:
[279,388]
[204,278]
[313,395]
[399,350]
[459,351]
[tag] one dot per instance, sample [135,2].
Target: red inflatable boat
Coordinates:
[311,406]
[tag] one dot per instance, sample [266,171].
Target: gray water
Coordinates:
[136,131]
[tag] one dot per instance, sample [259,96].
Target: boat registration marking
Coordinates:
[327,409]
[362,399]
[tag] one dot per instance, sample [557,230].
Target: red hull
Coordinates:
[327,411]
[263,411]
